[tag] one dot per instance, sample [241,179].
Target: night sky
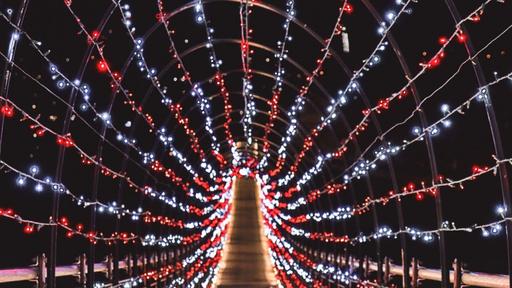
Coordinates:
[462,144]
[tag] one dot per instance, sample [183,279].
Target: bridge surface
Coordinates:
[246,262]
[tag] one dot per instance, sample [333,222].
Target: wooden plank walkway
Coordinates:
[246,262]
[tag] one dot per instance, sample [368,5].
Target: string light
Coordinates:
[300,100]
[215,63]
[351,87]
[197,92]
[202,229]
[66,141]
[279,76]
[433,130]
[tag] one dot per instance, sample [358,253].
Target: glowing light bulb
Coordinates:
[34,170]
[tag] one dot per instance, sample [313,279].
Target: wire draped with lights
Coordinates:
[372,129]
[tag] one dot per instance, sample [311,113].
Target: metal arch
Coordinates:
[428,142]
[195,106]
[298,66]
[254,44]
[347,71]
[60,167]
[338,59]
[301,25]
[254,72]
[265,6]
[308,208]
[268,7]
[287,123]
[99,148]
[73,93]
[329,171]
[260,125]
[494,129]
[305,72]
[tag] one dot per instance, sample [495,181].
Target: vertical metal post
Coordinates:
[495,133]
[430,150]
[41,271]
[366,267]
[386,270]
[414,273]
[129,265]
[115,272]
[82,267]
[110,269]
[457,274]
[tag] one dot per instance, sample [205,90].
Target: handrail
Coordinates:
[38,271]
[457,275]
[468,278]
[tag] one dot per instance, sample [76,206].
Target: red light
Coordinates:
[7,111]
[461,37]
[95,34]
[65,142]
[28,229]
[117,76]
[348,8]
[64,221]
[40,132]
[475,18]
[102,66]
[443,40]
[436,60]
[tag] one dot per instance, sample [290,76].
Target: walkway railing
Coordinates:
[129,264]
[365,268]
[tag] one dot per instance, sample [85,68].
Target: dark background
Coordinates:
[457,148]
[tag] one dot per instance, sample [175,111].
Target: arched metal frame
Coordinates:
[478,74]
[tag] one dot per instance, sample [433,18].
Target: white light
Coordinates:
[38,187]
[34,169]
[447,123]
[501,210]
[105,116]
[21,180]
[61,84]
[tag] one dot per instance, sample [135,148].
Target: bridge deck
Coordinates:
[246,262]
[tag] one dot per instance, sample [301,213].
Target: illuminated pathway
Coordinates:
[246,262]
[378,132]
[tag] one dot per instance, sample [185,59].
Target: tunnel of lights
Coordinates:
[376,132]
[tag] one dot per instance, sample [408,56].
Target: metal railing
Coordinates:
[38,272]
[458,276]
